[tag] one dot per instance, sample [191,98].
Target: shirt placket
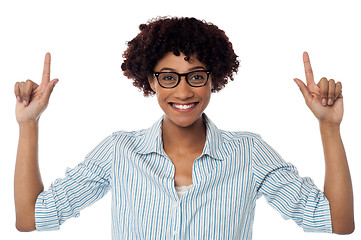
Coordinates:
[176,220]
[175,205]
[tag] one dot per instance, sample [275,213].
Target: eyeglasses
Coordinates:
[171,79]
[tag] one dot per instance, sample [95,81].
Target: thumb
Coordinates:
[304,89]
[49,88]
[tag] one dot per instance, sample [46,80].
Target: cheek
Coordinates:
[205,94]
[159,98]
[208,90]
[161,94]
[208,98]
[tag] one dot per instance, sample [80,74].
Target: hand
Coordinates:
[32,99]
[324,99]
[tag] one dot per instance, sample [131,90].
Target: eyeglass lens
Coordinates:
[170,79]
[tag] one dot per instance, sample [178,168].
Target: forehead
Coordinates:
[178,63]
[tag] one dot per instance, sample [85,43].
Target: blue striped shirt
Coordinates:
[234,170]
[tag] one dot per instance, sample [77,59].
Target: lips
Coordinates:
[183,107]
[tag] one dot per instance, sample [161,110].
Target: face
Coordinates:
[183,105]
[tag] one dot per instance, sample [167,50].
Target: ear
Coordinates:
[151,83]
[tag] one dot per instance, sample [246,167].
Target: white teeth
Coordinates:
[183,106]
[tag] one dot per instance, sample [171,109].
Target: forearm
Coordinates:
[27,181]
[338,186]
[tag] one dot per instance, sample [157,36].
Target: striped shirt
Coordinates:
[234,170]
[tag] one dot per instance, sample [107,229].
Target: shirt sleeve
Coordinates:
[294,197]
[82,186]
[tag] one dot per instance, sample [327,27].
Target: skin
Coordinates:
[184,135]
[325,100]
[32,100]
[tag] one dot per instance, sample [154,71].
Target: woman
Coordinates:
[183,178]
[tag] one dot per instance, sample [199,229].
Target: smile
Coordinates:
[183,106]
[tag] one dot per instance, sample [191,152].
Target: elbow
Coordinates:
[24,227]
[344,230]
[25,219]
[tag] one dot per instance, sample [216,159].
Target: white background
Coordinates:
[93,98]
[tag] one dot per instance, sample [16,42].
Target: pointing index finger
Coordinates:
[46,71]
[308,69]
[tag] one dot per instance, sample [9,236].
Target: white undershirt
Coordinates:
[182,190]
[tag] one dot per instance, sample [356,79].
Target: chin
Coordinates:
[184,122]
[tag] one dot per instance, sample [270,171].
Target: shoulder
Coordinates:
[128,141]
[122,134]
[229,136]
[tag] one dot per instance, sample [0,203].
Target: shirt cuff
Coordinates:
[46,214]
[321,221]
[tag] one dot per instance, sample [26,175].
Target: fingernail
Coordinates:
[330,101]
[18,98]
[24,102]
[324,102]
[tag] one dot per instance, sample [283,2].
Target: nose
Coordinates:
[183,91]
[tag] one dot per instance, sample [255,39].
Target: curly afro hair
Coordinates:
[187,35]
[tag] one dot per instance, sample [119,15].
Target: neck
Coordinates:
[180,140]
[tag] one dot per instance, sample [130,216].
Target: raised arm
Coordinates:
[325,100]
[32,100]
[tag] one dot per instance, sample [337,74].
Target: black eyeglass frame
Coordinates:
[156,74]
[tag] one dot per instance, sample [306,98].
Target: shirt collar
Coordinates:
[215,145]
[151,141]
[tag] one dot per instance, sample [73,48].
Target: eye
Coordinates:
[197,77]
[167,78]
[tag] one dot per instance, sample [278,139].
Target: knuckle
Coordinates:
[28,87]
[309,71]
[338,88]
[331,92]
[324,93]
[323,79]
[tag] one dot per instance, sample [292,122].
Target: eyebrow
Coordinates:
[172,69]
